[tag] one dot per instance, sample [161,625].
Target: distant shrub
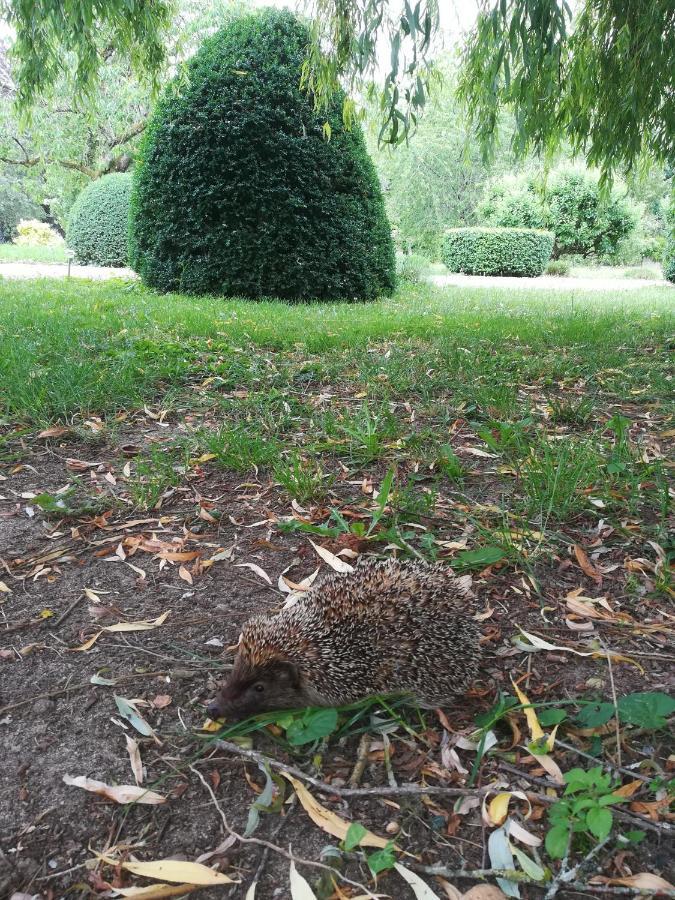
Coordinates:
[99,222]
[669,254]
[558,267]
[411,267]
[32,233]
[244,189]
[497,251]
[642,272]
[14,206]
[571,205]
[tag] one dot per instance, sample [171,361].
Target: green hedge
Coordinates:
[243,189]
[98,229]
[497,251]
[669,253]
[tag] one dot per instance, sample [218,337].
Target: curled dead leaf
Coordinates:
[120,793]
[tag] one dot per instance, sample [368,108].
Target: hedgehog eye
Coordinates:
[259,687]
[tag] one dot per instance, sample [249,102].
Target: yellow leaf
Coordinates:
[499,807]
[173,870]
[157,891]
[327,820]
[210,725]
[536,732]
[46,614]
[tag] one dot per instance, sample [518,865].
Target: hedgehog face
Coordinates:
[255,689]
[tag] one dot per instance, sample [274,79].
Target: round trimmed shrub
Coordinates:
[242,189]
[497,251]
[98,229]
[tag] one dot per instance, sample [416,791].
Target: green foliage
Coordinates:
[497,251]
[435,180]
[243,190]
[669,254]
[311,725]
[411,267]
[584,808]
[33,233]
[605,85]
[560,267]
[650,710]
[99,222]
[570,204]
[383,859]
[134,27]
[14,206]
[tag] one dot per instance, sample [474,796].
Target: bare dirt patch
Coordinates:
[181,559]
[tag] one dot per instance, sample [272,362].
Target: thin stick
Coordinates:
[382,791]
[64,615]
[601,762]
[361,761]
[290,856]
[617,726]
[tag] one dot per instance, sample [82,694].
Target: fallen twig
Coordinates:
[380,791]
[270,846]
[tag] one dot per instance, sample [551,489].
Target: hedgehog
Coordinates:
[387,627]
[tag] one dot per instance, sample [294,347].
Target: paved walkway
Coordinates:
[60,270]
[547,282]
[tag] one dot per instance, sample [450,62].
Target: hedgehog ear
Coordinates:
[288,673]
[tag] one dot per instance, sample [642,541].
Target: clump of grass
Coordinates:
[571,411]
[366,432]
[449,463]
[553,476]
[155,475]
[241,449]
[302,479]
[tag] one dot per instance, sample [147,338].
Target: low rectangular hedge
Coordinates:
[497,251]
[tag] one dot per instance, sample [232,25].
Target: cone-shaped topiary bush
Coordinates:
[239,192]
[98,227]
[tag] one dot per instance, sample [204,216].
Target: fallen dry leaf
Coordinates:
[184,574]
[644,881]
[161,700]
[254,568]
[4,589]
[484,892]
[135,759]
[120,793]
[328,820]
[141,625]
[339,565]
[157,891]
[173,870]
[54,432]
[585,564]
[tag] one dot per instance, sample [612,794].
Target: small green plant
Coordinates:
[308,726]
[560,267]
[583,809]
[383,859]
[154,476]
[509,438]
[553,476]
[411,267]
[621,455]
[449,463]
[302,479]
[648,709]
[239,449]
[571,412]
[642,272]
[368,432]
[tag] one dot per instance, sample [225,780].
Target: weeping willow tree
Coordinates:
[603,79]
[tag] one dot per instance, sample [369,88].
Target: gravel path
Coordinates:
[547,282]
[60,270]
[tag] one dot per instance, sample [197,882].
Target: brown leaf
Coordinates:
[585,564]
[644,881]
[185,575]
[120,793]
[161,700]
[54,432]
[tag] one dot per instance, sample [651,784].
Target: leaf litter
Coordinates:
[194,561]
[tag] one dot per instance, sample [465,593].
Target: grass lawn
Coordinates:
[154,448]
[10,253]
